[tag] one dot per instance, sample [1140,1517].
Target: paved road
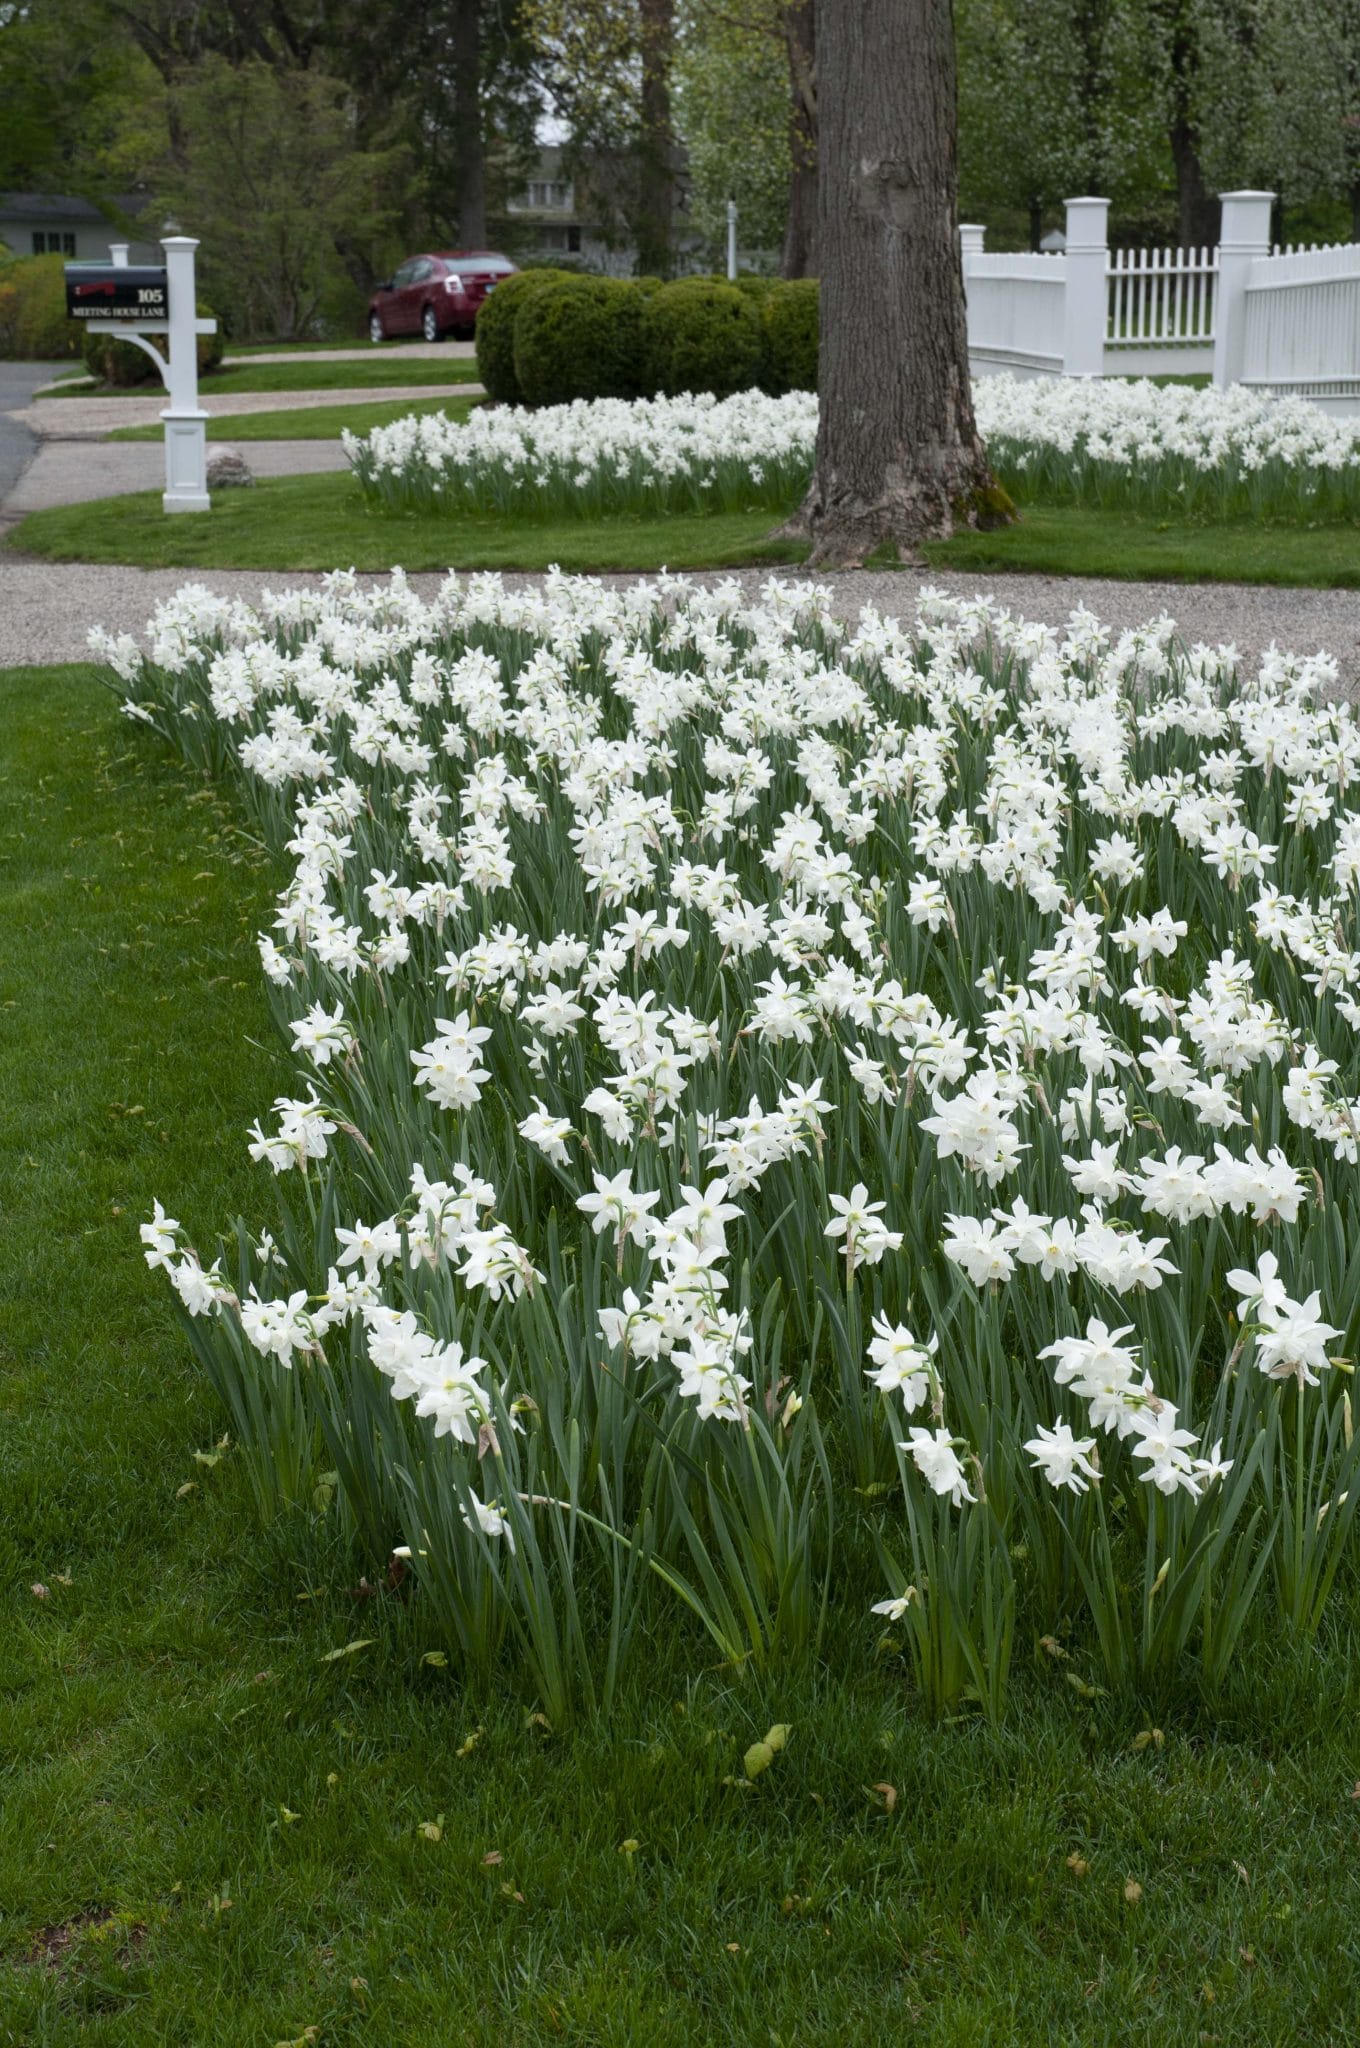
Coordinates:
[18,382]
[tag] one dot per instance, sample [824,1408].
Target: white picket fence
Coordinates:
[1282,321]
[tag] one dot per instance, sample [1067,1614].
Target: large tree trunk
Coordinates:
[799,255]
[656,166]
[465,56]
[898,454]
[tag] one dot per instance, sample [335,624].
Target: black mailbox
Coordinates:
[103,291]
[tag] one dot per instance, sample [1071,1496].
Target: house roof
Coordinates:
[65,206]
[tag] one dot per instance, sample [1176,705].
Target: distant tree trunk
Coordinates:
[1036,224]
[465,57]
[799,255]
[656,167]
[1196,205]
[1355,211]
[898,454]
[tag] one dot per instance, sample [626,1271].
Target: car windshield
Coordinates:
[482,266]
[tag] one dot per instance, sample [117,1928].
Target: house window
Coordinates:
[548,192]
[50,243]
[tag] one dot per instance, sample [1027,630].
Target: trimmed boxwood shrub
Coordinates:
[581,337]
[122,362]
[703,336]
[496,331]
[33,322]
[789,315]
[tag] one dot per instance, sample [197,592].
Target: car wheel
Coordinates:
[429,324]
[375,328]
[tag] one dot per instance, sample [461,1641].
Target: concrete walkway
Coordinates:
[89,419]
[73,472]
[47,608]
[360,354]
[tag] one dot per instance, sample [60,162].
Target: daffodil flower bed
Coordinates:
[791,1113]
[1142,446]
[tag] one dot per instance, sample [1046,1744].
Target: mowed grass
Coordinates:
[213,1834]
[1076,541]
[300,373]
[313,522]
[310,423]
[316,521]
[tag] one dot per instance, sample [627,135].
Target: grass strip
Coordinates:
[310,423]
[313,522]
[1076,541]
[302,374]
[212,1833]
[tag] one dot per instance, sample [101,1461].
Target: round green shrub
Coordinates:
[582,337]
[789,316]
[121,362]
[496,331]
[33,322]
[703,336]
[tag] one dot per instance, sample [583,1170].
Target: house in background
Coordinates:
[56,224]
[561,217]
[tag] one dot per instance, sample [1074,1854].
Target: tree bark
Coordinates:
[656,164]
[465,63]
[898,454]
[1196,205]
[798,20]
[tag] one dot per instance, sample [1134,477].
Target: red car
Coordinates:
[435,295]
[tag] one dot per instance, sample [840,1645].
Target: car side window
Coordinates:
[403,274]
[421,270]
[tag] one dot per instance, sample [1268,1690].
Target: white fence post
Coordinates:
[118,254]
[1244,235]
[186,453]
[971,238]
[1087,298]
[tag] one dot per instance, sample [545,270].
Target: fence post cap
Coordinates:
[1087,223]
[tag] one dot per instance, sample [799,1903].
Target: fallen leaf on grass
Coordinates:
[491,1859]
[761,1755]
[349,1649]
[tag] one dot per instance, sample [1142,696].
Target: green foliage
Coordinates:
[160,1709]
[703,336]
[121,362]
[582,337]
[790,319]
[284,196]
[732,106]
[33,322]
[496,331]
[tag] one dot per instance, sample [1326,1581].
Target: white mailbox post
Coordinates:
[186,451]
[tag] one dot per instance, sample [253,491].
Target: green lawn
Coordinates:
[310,423]
[314,522]
[1071,541]
[382,367]
[212,1835]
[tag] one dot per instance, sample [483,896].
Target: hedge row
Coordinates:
[545,337]
[122,362]
[33,323]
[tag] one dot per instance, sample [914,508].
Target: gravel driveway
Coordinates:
[46,608]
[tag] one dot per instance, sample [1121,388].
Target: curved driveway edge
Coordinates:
[47,608]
